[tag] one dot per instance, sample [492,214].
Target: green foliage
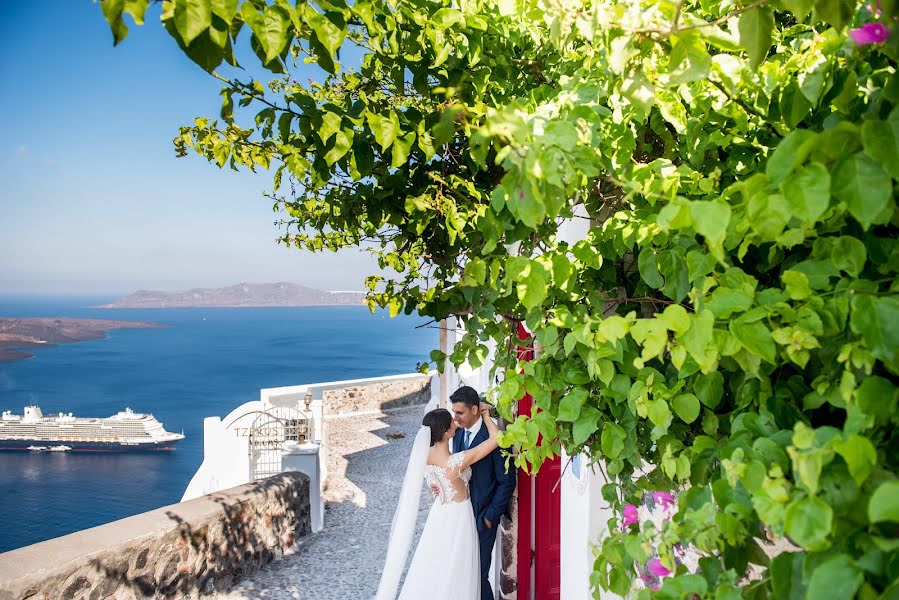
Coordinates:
[732,315]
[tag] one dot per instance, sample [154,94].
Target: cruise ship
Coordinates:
[125,431]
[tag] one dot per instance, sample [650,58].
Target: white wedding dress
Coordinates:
[446,563]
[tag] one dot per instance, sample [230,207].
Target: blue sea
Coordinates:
[205,363]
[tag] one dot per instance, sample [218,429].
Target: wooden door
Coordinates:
[539,518]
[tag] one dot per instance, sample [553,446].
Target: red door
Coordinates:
[539,522]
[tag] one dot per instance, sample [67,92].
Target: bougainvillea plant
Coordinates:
[731,316]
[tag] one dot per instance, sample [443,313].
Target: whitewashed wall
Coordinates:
[584,516]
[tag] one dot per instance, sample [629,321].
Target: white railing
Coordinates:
[227,457]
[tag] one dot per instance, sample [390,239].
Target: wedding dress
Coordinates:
[446,564]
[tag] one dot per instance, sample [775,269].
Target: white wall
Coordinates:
[584,517]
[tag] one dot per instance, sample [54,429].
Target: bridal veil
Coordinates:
[404,519]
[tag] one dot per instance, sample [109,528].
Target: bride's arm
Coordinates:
[475,454]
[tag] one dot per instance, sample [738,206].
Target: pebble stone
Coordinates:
[344,560]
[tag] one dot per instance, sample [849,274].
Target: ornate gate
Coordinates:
[270,431]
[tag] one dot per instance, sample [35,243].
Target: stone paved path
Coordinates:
[344,560]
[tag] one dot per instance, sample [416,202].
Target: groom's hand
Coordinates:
[488,523]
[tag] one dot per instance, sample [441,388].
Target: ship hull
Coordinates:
[23,445]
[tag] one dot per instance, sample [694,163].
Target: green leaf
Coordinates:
[881,140]
[385,129]
[649,270]
[836,12]
[807,192]
[786,576]
[877,396]
[755,337]
[330,125]
[710,388]
[586,425]
[884,503]
[710,220]
[532,291]
[835,579]
[447,17]
[698,339]
[686,406]
[865,188]
[755,28]
[849,254]
[675,318]
[768,214]
[329,34]
[401,148]
[192,17]
[342,145]
[699,264]
[612,441]
[725,301]
[689,60]
[796,284]
[673,267]
[859,454]
[659,413]
[877,321]
[113,10]
[789,154]
[562,134]
[808,522]
[571,404]
[638,90]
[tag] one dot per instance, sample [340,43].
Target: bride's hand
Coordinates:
[485,409]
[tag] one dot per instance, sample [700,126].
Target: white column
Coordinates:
[305,459]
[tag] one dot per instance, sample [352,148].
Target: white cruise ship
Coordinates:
[125,431]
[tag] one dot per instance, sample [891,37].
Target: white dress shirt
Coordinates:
[472,432]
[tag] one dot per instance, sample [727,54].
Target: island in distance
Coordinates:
[19,334]
[240,295]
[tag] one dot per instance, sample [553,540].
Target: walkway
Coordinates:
[344,560]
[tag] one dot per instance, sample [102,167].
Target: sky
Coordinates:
[92,197]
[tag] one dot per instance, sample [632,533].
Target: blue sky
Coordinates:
[92,198]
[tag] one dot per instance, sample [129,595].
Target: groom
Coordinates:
[491,485]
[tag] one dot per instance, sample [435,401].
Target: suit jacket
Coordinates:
[491,486]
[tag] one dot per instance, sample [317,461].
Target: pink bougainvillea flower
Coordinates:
[664,499]
[870,33]
[657,568]
[630,515]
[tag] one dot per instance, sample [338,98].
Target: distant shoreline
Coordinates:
[21,334]
[243,295]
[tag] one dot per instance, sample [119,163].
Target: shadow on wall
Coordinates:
[187,550]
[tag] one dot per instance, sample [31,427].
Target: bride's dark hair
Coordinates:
[439,420]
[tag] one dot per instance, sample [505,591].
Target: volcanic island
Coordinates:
[21,334]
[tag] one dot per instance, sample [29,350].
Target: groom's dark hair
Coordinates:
[439,420]
[467,395]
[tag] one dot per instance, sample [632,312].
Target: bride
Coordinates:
[446,563]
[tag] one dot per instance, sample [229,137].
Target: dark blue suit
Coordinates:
[491,488]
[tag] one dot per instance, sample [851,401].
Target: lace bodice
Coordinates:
[450,483]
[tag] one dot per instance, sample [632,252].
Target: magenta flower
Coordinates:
[664,499]
[657,568]
[630,515]
[870,33]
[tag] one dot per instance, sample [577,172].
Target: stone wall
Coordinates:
[508,582]
[181,551]
[377,396]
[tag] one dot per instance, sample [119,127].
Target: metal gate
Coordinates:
[270,432]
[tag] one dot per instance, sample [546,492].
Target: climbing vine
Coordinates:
[728,326]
